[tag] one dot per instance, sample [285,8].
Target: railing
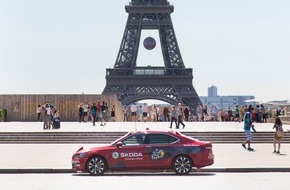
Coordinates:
[149,71]
[149,2]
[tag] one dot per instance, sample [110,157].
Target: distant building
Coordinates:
[212,91]
[224,102]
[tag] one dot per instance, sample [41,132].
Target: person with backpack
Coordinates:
[278,134]
[247,128]
[94,113]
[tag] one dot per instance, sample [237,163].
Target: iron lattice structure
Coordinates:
[172,82]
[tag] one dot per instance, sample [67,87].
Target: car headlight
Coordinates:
[81,155]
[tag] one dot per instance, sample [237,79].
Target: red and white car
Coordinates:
[146,150]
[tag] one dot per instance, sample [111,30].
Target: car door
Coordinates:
[131,154]
[161,150]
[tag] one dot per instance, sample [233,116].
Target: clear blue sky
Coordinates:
[64,46]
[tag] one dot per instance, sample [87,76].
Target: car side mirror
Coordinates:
[119,144]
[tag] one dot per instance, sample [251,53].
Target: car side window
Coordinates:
[134,140]
[161,139]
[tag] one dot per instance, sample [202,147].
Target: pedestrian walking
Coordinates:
[113,114]
[38,111]
[145,112]
[247,128]
[173,116]
[94,113]
[199,112]
[166,114]
[47,116]
[125,113]
[80,112]
[180,115]
[85,107]
[278,126]
[104,111]
[140,112]
[186,114]
[133,110]
[153,114]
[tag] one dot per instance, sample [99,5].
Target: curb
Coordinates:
[29,171]
[244,170]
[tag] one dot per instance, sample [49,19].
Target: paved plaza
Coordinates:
[57,157]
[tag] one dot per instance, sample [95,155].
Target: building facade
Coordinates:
[225,102]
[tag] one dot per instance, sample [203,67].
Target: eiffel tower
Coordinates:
[172,82]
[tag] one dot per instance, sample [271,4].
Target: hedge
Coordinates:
[2,114]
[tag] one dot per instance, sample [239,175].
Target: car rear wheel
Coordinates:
[182,165]
[96,165]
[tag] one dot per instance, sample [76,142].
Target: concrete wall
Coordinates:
[23,107]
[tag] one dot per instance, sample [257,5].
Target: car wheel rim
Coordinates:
[96,166]
[182,165]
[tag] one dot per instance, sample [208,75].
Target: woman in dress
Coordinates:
[278,135]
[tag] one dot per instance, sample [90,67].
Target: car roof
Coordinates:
[155,131]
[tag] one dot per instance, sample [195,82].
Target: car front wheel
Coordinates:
[96,165]
[182,165]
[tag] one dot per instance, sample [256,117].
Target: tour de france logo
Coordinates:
[157,154]
[115,155]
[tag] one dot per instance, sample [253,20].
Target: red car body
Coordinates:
[146,150]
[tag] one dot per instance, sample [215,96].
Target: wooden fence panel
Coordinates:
[23,107]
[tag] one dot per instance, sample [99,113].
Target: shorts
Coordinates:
[134,113]
[144,114]
[249,135]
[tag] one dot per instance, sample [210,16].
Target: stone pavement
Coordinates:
[55,158]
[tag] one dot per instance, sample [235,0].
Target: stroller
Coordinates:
[56,123]
[55,120]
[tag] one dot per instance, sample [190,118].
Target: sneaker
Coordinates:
[274,152]
[244,146]
[278,152]
[250,149]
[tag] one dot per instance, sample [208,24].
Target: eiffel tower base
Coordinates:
[171,89]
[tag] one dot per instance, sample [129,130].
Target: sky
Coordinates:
[64,46]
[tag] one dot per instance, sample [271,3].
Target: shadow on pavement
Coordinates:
[144,174]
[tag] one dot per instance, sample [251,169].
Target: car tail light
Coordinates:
[206,148]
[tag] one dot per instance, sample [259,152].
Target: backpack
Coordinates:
[93,111]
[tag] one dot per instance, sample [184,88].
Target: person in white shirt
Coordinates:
[134,111]
[47,116]
[38,112]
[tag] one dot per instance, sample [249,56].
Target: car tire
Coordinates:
[96,165]
[182,165]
